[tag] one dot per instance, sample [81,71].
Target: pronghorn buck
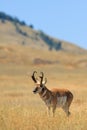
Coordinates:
[53,98]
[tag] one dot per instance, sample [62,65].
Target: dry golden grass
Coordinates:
[18,54]
[20,109]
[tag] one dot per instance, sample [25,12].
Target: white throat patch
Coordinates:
[44,93]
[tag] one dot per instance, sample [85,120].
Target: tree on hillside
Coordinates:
[57,45]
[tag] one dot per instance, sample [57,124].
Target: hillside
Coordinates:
[21,44]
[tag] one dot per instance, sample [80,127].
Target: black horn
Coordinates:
[33,77]
[42,75]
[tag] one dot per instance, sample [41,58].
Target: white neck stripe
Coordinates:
[44,93]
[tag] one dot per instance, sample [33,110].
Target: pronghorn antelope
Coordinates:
[53,98]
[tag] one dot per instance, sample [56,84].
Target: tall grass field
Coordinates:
[20,109]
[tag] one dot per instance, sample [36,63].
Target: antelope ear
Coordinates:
[45,81]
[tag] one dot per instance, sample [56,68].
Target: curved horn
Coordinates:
[42,75]
[33,77]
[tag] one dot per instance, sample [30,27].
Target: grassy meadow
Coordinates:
[20,109]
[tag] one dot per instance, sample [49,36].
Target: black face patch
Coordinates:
[35,90]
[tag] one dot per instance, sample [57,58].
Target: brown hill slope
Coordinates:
[21,44]
[11,32]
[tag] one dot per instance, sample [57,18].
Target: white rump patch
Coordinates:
[61,101]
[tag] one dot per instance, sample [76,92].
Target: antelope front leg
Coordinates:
[53,111]
[48,111]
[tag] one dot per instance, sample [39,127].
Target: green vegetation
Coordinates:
[4,17]
[57,45]
[20,31]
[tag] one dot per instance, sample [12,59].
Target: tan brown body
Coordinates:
[53,98]
[57,98]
